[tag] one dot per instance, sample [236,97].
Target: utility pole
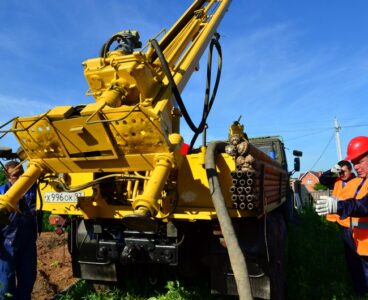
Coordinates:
[338,143]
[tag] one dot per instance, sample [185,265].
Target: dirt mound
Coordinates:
[54,272]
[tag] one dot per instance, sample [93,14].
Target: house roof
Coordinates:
[314,173]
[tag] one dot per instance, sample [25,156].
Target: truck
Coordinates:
[132,192]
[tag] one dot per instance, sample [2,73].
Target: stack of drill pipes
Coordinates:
[260,155]
[269,169]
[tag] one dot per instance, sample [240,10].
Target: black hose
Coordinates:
[207,103]
[236,255]
[106,46]
[173,86]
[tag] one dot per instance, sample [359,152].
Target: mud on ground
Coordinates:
[54,272]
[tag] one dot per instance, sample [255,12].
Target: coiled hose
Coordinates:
[237,259]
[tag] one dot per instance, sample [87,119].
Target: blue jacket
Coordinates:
[23,223]
[353,208]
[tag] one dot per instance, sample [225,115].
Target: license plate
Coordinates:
[62,197]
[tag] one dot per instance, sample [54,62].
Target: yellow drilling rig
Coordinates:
[118,172]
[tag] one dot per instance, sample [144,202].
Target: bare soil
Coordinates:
[54,271]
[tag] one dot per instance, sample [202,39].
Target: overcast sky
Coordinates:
[289,67]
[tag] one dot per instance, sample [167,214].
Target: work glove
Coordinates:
[336,169]
[326,205]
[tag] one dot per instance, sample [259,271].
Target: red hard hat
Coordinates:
[357,147]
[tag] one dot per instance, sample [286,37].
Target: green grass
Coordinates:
[174,290]
[316,267]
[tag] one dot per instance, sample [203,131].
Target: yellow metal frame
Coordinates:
[132,127]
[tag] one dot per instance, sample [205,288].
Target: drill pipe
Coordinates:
[248,190]
[250,198]
[240,190]
[242,205]
[270,182]
[242,182]
[240,174]
[271,176]
[261,156]
[250,173]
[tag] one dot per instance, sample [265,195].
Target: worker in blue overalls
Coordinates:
[352,210]
[18,254]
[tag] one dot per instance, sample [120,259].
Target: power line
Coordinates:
[308,134]
[324,150]
[353,126]
[314,131]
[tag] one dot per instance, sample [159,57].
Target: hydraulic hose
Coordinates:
[208,102]
[236,255]
[173,86]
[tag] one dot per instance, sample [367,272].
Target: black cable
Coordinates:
[106,46]
[173,86]
[324,150]
[208,104]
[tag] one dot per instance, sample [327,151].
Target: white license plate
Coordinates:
[62,197]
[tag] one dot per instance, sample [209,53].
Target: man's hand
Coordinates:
[326,205]
[336,169]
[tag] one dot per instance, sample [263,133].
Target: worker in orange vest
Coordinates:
[352,207]
[336,179]
[337,176]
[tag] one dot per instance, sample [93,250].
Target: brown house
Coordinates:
[309,179]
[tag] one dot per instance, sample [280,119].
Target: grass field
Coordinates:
[316,269]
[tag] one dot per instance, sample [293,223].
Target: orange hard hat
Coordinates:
[357,147]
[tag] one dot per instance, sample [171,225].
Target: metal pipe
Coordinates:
[240,190]
[9,201]
[250,173]
[242,205]
[248,190]
[239,174]
[147,202]
[250,198]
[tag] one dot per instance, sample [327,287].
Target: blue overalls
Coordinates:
[357,264]
[18,254]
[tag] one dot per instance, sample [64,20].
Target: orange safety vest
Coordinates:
[356,188]
[337,190]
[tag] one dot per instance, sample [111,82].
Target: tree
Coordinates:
[320,187]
